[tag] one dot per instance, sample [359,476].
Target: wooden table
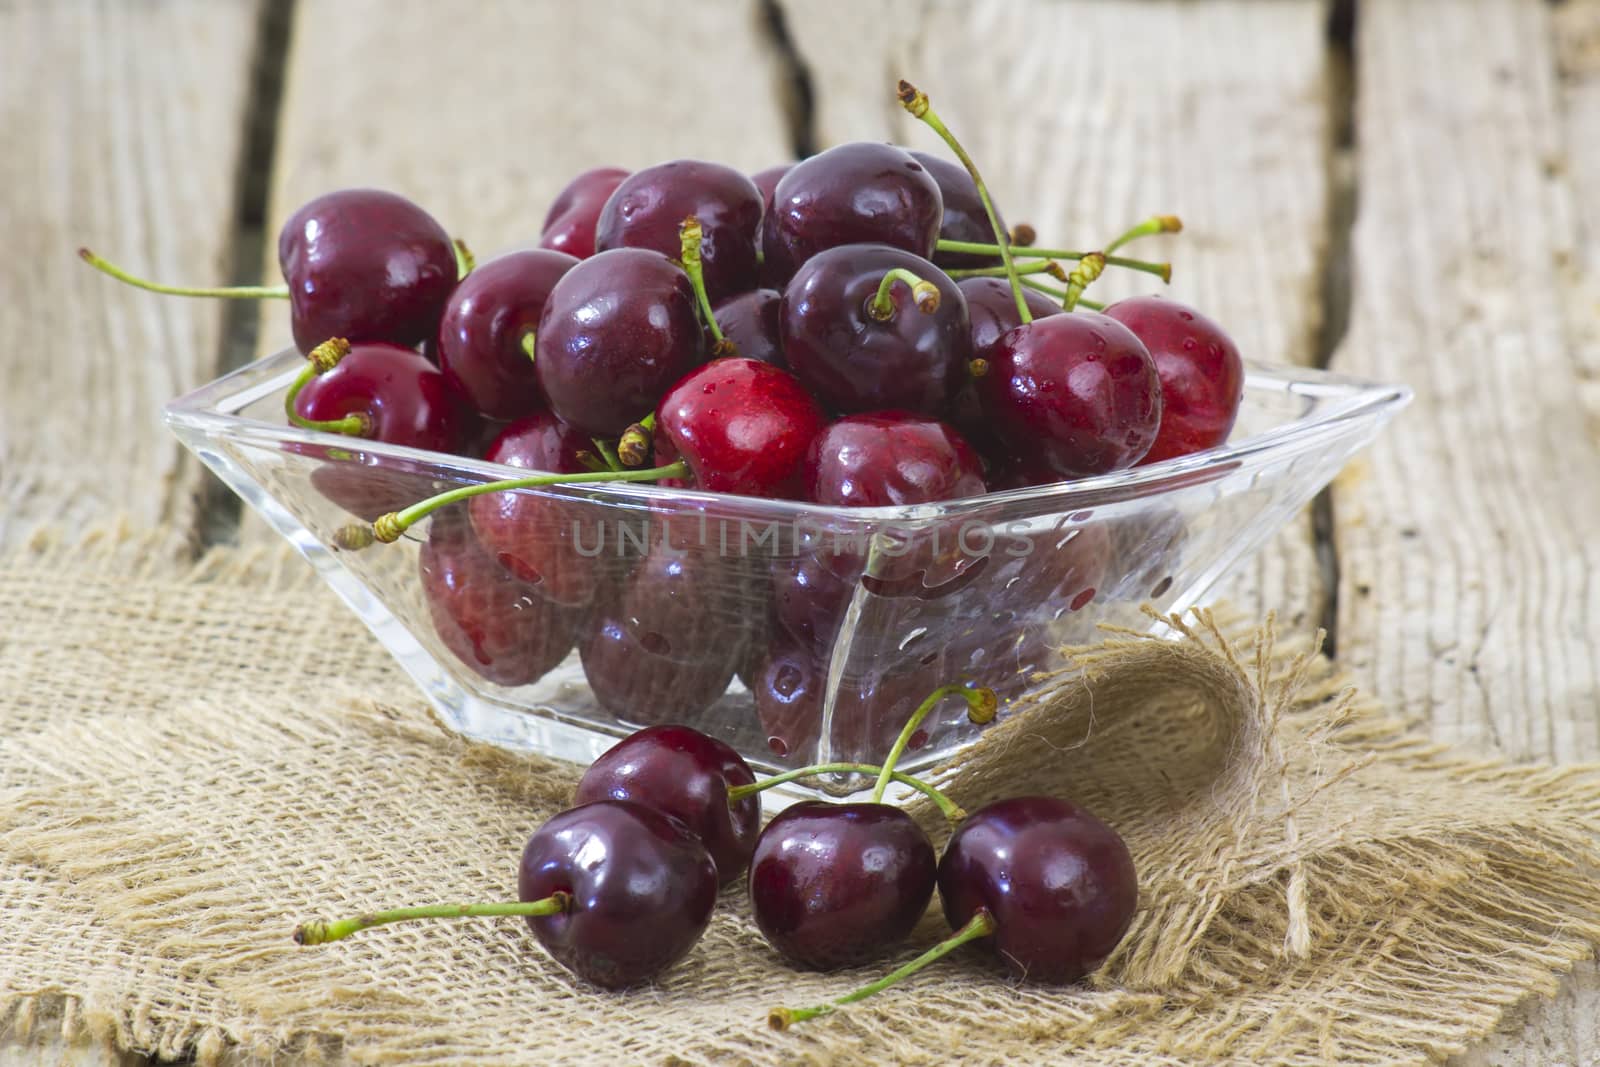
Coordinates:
[1409,191]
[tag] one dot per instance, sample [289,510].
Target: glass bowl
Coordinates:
[798,634]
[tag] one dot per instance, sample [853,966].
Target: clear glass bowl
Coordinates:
[979,590]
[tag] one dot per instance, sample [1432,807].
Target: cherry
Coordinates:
[382,392]
[868,327]
[992,310]
[488,324]
[367,265]
[647,209]
[832,885]
[495,623]
[964,218]
[788,691]
[767,181]
[535,536]
[810,592]
[1008,470]
[890,458]
[618,329]
[1080,390]
[1058,883]
[741,425]
[852,193]
[570,224]
[616,892]
[1202,376]
[685,774]
[750,322]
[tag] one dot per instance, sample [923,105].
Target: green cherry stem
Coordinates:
[465,260]
[947,807]
[608,452]
[1045,266]
[1089,268]
[982,704]
[320,360]
[690,237]
[980,925]
[924,292]
[1153,225]
[388,528]
[1143,266]
[318,932]
[240,292]
[1060,295]
[915,101]
[530,344]
[633,447]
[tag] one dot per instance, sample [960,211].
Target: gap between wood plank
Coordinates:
[798,96]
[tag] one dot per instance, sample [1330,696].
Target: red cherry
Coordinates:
[1202,376]
[992,310]
[569,226]
[767,182]
[1080,391]
[750,322]
[486,321]
[890,458]
[402,398]
[964,218]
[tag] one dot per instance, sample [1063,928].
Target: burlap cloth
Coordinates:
[196,757]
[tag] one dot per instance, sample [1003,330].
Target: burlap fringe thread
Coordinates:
[1317,886]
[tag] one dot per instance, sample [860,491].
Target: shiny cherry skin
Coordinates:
[642,889]
[570,223]
[494,622]
[743,427]
[1202,376]
[833,885]
[685,774]
[648,208]
[992,310]
[852,193]
[750,322]
[536,535]
[1059,883]
[618,329]
[485,320]
[964,218]
[1080,391]
[405,399]
[890,458]
[366,265]
[854,361]
[767,181]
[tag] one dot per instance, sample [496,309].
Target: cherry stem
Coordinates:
[924,292]
[239,292]
[982,703]
[1089,268]
[1143,266]
[608,452]
[949,808]
[1153,225]
[633,447]
[318,932]
[465,260]
[915,101]
[320,360]
[1061,294]
[981,924]
[1044,266]
[530,344]
[690,236]
[388,528]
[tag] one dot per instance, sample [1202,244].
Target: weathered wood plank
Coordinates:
[123,126]
[1470,565]
[1089,116]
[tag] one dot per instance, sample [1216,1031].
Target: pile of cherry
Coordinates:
[621,886]
[856,329]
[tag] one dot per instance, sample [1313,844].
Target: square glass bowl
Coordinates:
[798,634]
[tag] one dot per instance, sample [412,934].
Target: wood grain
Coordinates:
[1216,111]
[122,125]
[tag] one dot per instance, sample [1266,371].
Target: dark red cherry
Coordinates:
[366,265]
[1008,470]
[833,885]
[853,360]
[852,193]
[494,622]
[788,690]
[767,181]
[743,427]
[642,889]
[810,592]
[890,458]
[648,208]
[750,321]
[569,225]
[486,322]
[1059,883]
[618,329]
[1080,391]
[1202,376]
[404,399]
[964,218]
[541,536]
[685,774]
[992,310]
